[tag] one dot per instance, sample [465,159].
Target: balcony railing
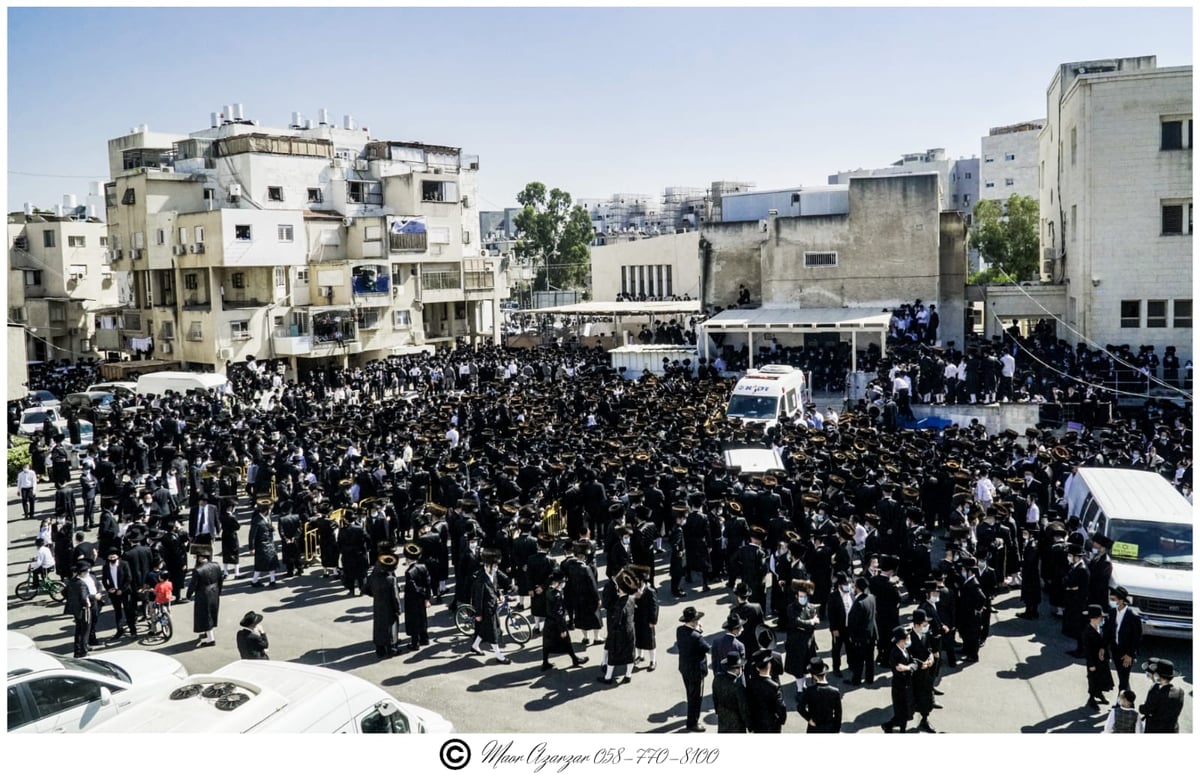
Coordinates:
[441,281]
[408,242]
[478,281]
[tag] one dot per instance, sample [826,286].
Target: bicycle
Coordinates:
[158,623]
[516,625]
[33,585]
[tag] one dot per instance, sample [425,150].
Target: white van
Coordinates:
[158,383]
[768,395]
[270,696]
[754,460]
[1150,525]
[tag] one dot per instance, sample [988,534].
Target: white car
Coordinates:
[20,641]
[33,418]
[52,694]
[44,398]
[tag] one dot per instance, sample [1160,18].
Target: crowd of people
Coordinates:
[545,475]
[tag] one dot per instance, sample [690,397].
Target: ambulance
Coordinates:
[770,395]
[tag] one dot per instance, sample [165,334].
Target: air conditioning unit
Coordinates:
[118,255]
[347,221]
[466,201]
[225,354]
[165,347]
[235,191]
[73,331]
[135,254]
[327,292]
[474,165]
[338,163]
[198,248]
[360,165]
[179,250]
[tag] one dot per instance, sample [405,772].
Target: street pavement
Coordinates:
[1024,681]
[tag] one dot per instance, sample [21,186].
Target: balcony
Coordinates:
[107,339]
[444,280]
[370,287]
[290,341]
[479,281]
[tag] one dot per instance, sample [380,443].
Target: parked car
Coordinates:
[33,418]
[100,401]
[44,398]
[52,694]
[126,389]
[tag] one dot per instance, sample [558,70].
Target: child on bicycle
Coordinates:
[163,591]
[43,562]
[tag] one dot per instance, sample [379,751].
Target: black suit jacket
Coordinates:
[821,705]
[693,652]
[861,621]
[730,703]
[1128,639]
[765,699]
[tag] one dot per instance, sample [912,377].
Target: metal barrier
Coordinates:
[554,519]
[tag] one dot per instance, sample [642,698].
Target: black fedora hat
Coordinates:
[251,619]
[690,614]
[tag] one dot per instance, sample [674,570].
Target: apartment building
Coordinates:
[1009,161]
[310,242]
[958,178]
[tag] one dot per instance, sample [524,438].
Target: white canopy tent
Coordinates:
[796,320]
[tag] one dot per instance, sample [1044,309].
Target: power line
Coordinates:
[51,175]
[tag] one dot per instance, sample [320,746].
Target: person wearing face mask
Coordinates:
[860,627]
[837,609]
[1076,586]
[1164,701]
[801,620]
[886,589]
[939,634]
[1099,569]
[903,667]
[1031,582]
[485,599]
[921,649]
[693,663]
[729,695]
[1099,677]
[971,608]
[1122,634]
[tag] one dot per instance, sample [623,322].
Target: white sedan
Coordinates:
[52,694]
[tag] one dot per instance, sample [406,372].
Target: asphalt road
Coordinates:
[1024,681]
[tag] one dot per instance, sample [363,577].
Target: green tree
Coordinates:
[1008,240]
[554,235]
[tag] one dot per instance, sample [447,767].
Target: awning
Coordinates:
[803,320]
[621,308]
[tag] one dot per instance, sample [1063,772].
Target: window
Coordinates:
[1072,146]
[33,277]
[967,176]
[280,276]
[466,237]
[239,330]
[988,159]
[812,259]
[58,313]
[966,199]
[376,722]
[368,319]
[275,193]
[1074,224]
[167,330]
[139,240]
[314,195]
[191,281]
[199,234]
[1172,219]
[439,191]
[56,694]
[196,332]
[183,233]
[302,275]
[238,280]
[1183,313]
[1131,313]
[1008,181]
[209,194]
[439,235]
[48,238]
[103,241]
[402,319]
[76,241]
[160,237]
[1172,135]
[241,232]
[373,233]
[129,197]
[1010,157]
[989,185]
[796,199]
[285,233]
[1156,314]
[364,192]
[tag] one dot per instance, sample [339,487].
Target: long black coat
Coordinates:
[801,644]
[557,622]
[1099,675]
[418,592]
[262,542]
[620,638]
[729,701]
[1076,586]
[821,706]
[352,544]
[903,704]
[204,590]
[765,699]
[230,546]
[252,645]
[921,649]
[537,571]
[485,599]
[645,618]
[385,606]
[583,599]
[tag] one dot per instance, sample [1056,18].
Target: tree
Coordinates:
[1007,237]
[555,236]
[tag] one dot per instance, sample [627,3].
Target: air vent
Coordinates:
[231,701]
[219,690]
[187,691]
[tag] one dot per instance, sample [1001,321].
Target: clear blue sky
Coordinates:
[594,101]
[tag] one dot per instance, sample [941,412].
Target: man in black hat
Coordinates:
[903,667]
[971,608]
[821,703]
[1164,701]
[485,600]
[556,635]
[1076,588]
[204,588]
[751,615]
[418,597]
[862,633]
[385,602]
[838,606]
[693,663]
[620,638]
[1099,677]
[1099,570]
[1122,634]
[922,646]
[354,549]
[764,697]
[262,542]
[886,589]
[79,606]
[727,642]
[252,640]
[749,564]
[676,545]
[729,695]
[120,585]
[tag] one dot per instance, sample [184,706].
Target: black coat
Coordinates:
[353,546]
[418,592]
[765,699]
[902,685]
[693,652]
[1162,707]
[730,703]
[861,622]
[620,638]
[252,645]
[262,542]
[801,644]
[1099,674]
[557,623]
[645,618]
[1077,587]
[821,705]
[921,649]
[204,590]
[1128,639]
[485,599]
[385,606]
[583,599]
[538,570]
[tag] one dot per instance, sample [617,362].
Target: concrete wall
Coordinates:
[755,205]
[16,358]
[952,266]
[679,251]
[730,255]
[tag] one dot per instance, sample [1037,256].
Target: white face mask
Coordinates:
[933,599]
[845,588]
[802,600]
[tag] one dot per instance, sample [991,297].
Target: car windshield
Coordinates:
[34,417]
[100,667]
[1166,545]
[753,407]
